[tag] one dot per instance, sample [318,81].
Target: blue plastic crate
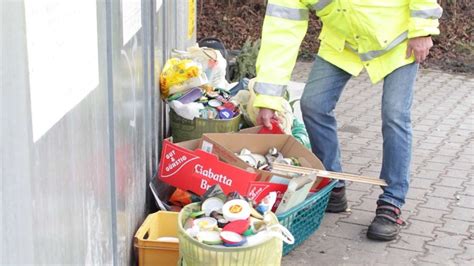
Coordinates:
[304,219]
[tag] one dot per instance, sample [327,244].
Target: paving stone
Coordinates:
[360,186]
[430,215]
[354,196]
[428,263]
[417,193]
[461,166]
[398,256]
[360,217]
[444,192]
[330,221]
[464,158]
[375,167]
[447,240]
[421,183]
[439,255]
[428,122]
[370,173]
[418,160]
[449,145]
[465,202]
[351,168]
[363,257]
[410,208]
[468,253]
[460,213]
[359,160]
[375,146]
[366,205]
[447,152]
[469,189]
[348,231]
[457,173]
[442,159]
[450,182]
[463,262]
[369,153]
[437,166]
[351,147]
[428,173]
[423,152]
[410,242]
[374,194]
[455,227]
[421,228]
[423,128]
[437,203]
[462,174]
[428,146]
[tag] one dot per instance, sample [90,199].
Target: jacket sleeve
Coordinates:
[284,28]
[424,15]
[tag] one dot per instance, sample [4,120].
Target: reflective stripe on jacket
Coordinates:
[356,34]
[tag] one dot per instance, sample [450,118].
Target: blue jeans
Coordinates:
[320,96]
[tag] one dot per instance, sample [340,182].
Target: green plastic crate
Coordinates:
[303,220]
[183,129]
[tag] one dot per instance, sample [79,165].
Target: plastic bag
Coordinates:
[213,63]
[180,75]
[299,132]
[188,111]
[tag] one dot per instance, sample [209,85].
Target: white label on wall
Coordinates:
[62,57]
[159,3]
[131,18]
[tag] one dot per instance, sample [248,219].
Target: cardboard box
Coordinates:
[226,145]
[187,167]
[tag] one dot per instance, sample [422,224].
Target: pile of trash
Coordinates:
[233,220]
[194,85]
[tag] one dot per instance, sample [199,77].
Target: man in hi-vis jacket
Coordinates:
[388,39]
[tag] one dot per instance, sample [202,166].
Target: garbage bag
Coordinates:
[213,63]
[180,75]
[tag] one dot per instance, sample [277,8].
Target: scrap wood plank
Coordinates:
[328,174]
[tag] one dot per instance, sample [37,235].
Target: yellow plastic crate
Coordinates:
[153,252]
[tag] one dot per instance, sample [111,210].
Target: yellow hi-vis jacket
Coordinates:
[356,34]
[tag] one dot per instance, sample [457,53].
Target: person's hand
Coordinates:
[419,47]
[265,117]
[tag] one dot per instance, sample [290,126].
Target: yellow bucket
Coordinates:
[150,251]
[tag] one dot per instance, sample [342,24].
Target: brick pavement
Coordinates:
[440,207]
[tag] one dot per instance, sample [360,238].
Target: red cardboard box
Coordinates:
[185,166]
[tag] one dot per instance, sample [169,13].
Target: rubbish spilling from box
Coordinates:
[156,241]
[191,168]
[304,218]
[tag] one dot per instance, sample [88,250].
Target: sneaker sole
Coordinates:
[336,208]
[380,237]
